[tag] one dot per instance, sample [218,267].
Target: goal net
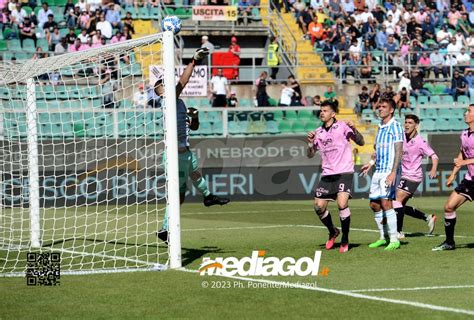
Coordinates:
[82,138]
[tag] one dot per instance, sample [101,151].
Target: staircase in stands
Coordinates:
[145,28]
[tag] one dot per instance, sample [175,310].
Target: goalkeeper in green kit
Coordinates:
[187,119]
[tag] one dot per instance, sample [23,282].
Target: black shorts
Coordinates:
[408,186]
[330,186]
[466,189]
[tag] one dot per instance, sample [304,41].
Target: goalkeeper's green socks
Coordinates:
[201,185]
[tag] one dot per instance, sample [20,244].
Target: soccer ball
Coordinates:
[171,23]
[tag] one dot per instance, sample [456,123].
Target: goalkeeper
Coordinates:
[187,119]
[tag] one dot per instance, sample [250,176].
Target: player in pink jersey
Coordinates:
[332,140]
[414,149]
[465,190]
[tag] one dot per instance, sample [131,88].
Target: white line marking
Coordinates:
[351,294]
[412,289]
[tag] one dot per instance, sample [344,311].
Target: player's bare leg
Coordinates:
[454,201]
[399,206]
[320,208]
[345,218]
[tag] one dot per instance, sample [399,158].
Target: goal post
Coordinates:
[82,140]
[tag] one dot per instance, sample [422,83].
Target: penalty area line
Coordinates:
[348,294]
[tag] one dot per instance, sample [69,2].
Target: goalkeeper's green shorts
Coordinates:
[188,163]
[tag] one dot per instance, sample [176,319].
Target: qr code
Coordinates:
[43,269]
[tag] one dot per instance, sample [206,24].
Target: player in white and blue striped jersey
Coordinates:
[388,155]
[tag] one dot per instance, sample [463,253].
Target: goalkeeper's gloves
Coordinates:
[200,54]
[193,113]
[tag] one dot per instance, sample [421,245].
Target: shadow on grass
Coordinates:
[415,234]
[189,255]
[465,246]
[337,245]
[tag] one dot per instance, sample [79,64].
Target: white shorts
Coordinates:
[379,189]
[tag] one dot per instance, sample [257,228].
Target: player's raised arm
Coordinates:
[200,54]
[358,138]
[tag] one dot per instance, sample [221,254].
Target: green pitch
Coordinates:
[361,284]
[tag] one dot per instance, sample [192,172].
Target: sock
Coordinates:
[392,224]
[327,221]
[165,221]
[378,219]
[449,224]
[345,217]
[201,185]
[412,212]
[400,210]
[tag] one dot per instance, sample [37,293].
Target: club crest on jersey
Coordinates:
[326,142]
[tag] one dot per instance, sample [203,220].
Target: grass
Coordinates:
[287,228]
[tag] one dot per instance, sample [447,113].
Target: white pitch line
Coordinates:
[351,294]
[412,289]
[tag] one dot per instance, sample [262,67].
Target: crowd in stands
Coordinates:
[433,35]
[91,24]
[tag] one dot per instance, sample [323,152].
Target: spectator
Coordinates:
[304,19]
[286,96]
[140,98]
[443,36]
[296,100]
[99,44]
[463,60]
[366,67]
[112,15]
[128,22]
[108,85]
[83,21]
[39,54]
[316,30]
[417,82]
[27,30]
[381,38]
[61,47]
[83,36]
[425,64]
[97,38]
[348,7]
[104,26]
[67,8]
[329,94]
[459,85]
[43,14]
[375,96]
[77,46]
[317,101]
[388,94]
[53,38]
[470,82]
[233,101]
[72,17]
[220,89]
[454,47]
[244,9]
[437,61]
[82,5]
[234,48]
[118,37]
[50,24]
[364,101]
[18,14]
[450,62]
[261,85]
[205,43]
[405,82]
[402,99]
[126,33]
[272,57]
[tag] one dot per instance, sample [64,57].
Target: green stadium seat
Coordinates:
[277,115]
[413,102]
[182,13]
[272,127]
[291,115]
[313,125]
[446,113]
[27,9]
[7,32]
[435,100]
[205,129]
[14,45]
[429,87]
[237,127]
[144,13]
[463,100]
[43,44]
[422,100]
[285,127]
[3,45]
[443,124]
[447,101]
[439,89]
[272,102]
[428,125]
[457,113]
[168,11]
[245,103]
[429,113]
[218,128]
[155,13]
[305,115]
[5,93]
[298,127]
[256,127]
